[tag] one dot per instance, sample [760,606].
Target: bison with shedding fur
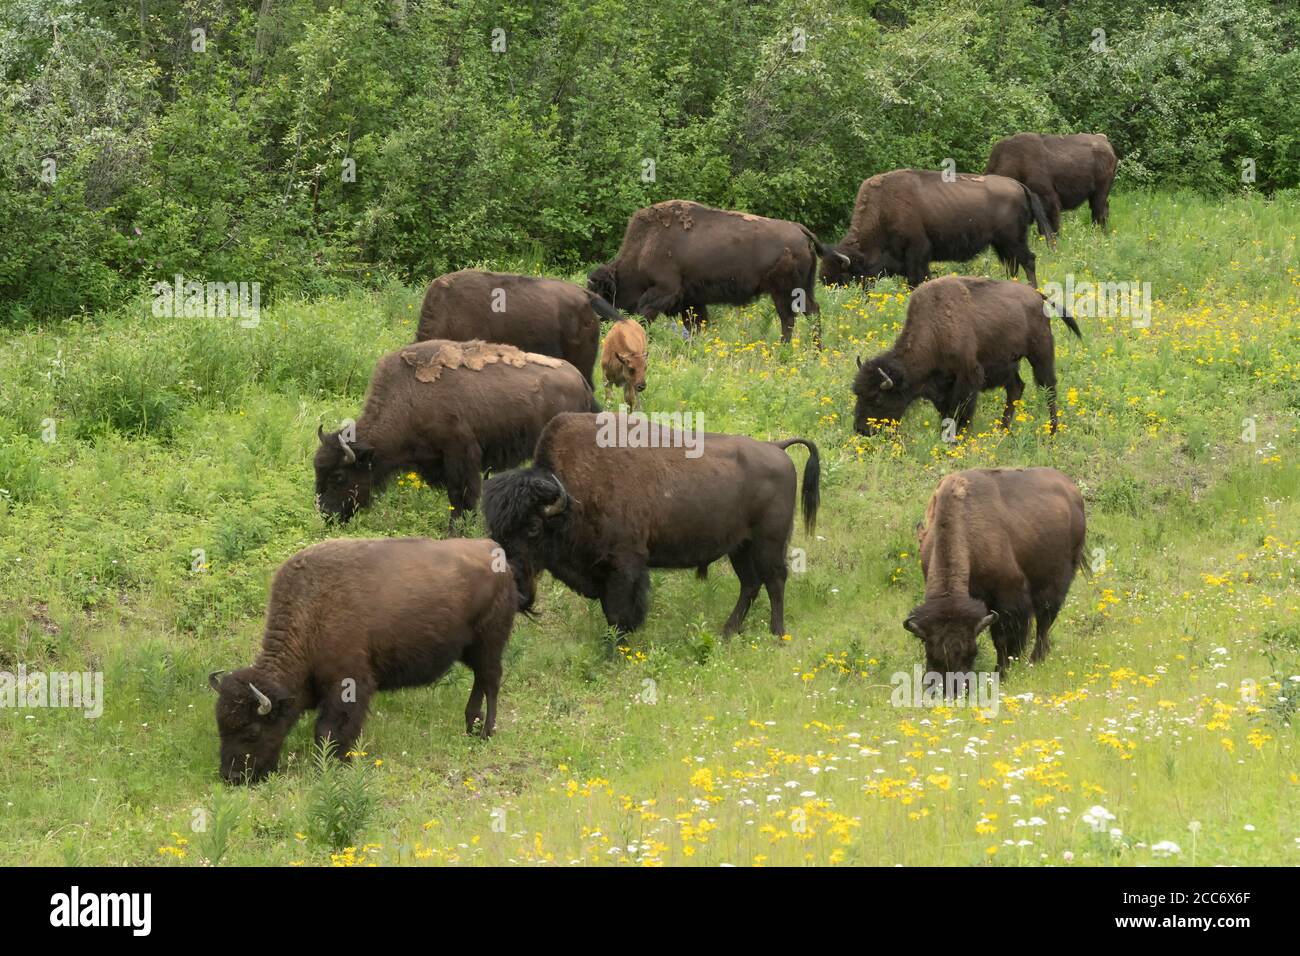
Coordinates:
[962,335]
[350,617]
[679,257]
[546,316]
[598,513]
[447,411]
[906,219]
[999,547]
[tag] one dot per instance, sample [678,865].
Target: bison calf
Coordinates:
[611,496]
[998,547]
[546,316]
[446,410]
[349,617]
[623,360]
[962,335]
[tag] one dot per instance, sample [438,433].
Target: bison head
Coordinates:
[883,394]
[844,264]
[517,507]
[948,628]
[603,281]
[344,475]
[634,368]
[254,715]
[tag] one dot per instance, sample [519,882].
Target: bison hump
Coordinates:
[430,358]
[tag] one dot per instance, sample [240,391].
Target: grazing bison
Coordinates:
[963,335]
[446,410]
[623,358]
[998,546]
[545,316]
[601,506]
[1063,171]
[906,219]
[679,257]
[349,617]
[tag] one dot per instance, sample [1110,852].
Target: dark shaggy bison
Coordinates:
[609,498]
[447,411]
[963,335]
[678,257]
[998,547]
[350,617]
[1063,171]
[546,316]
[906,219]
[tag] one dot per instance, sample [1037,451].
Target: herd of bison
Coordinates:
[502,371]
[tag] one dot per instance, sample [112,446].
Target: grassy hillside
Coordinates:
[174,435]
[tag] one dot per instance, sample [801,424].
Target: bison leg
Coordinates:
[1043,362]
[742,561]
[1044,619]
[464,473]
[341,714]
[625,596]
[1052,206]
[1015,388]
[1099,203]
[486,665]
[769,559]
[916,263]
[1010,632]
[694,316]
[655,301]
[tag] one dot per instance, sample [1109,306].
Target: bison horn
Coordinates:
[320,433]
[560,503]
[910,625]
[263,702]
[844,259]
[886,381]
[859,358]
[349,456]
[214,679]
[990,618]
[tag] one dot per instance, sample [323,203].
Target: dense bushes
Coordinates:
[228,154]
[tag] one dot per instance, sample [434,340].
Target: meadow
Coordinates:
[154,472]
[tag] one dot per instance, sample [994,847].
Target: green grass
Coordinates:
[174,436]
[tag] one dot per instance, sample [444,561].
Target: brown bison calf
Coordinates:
[446,410]
[611,496]
[906,219]
[962,335]
[546,316]
[998,547]
[349,617]
[623,360]
[678,257]
[1063,171]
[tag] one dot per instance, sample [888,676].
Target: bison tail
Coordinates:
[1040,216]
[1065,316]
[603,308]
[812,481]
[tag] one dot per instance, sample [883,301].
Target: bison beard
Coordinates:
[599,518]
[350,617]
[999,548]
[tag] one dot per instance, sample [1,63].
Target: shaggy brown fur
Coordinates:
[540,315]
[906,219]
[599,517]
[678,257]
[962,335]
[998,547]
[623,360]
[448,411]
[350,617]
[1064,171]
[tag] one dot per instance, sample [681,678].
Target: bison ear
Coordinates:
[989,619]
[214,679]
